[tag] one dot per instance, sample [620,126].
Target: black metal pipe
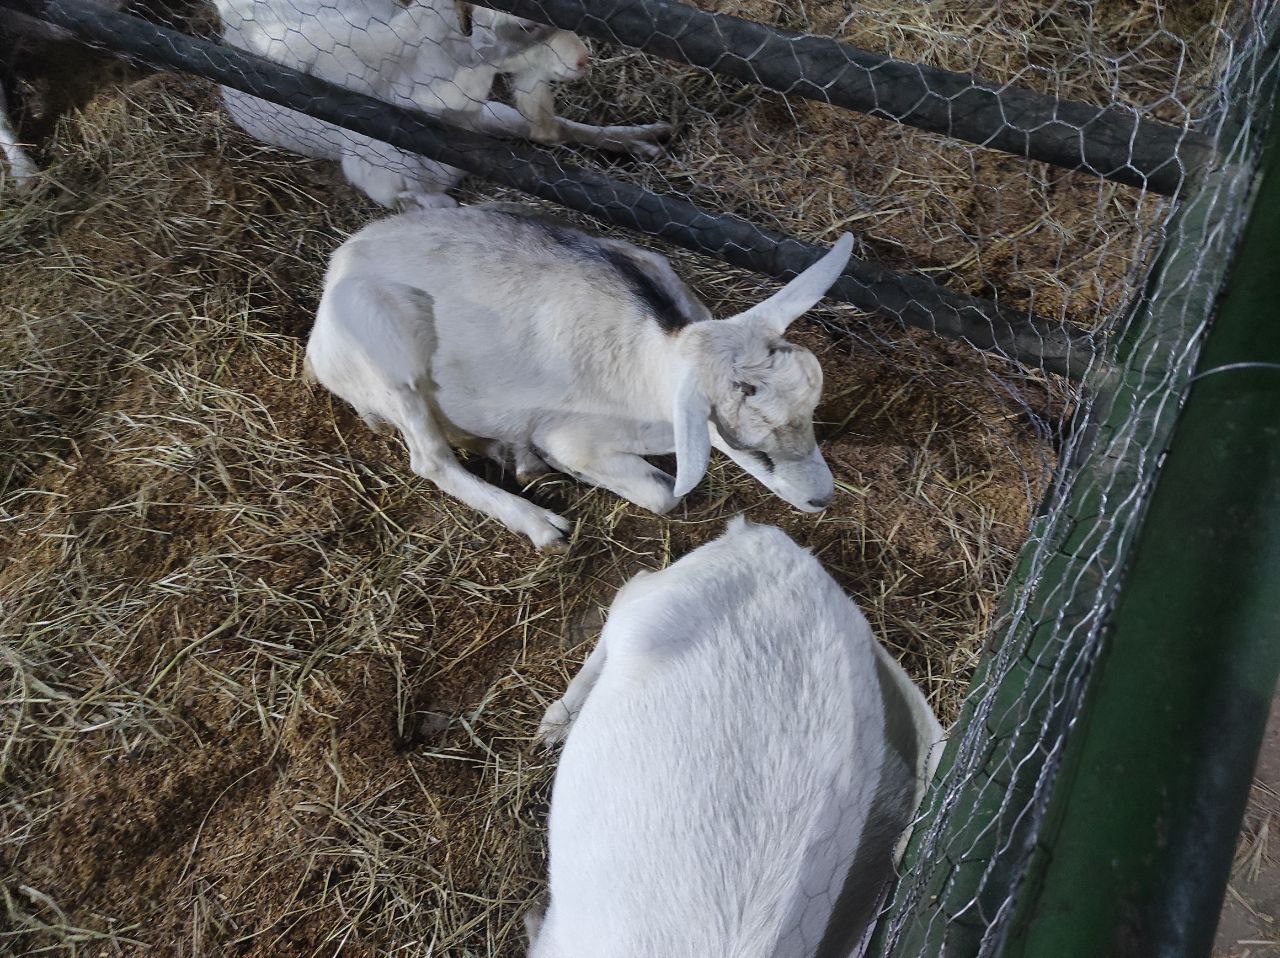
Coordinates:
[1055,348]
[1110,142]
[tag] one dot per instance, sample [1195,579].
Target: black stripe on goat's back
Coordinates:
[670,311]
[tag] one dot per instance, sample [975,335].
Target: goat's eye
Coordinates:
[745,388]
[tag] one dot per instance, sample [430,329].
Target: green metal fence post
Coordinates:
[974,855]
[1142,823]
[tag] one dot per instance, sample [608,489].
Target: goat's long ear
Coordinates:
[690,412]
[798,296]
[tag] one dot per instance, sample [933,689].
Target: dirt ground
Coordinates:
[272,695]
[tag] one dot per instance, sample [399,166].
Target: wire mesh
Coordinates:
[983,843]
[1044,198]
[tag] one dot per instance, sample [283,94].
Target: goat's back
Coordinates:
[517,307]
[743,763]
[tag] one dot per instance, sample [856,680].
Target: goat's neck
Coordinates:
[657,365]
[474,84]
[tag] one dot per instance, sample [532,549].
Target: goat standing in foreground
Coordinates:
[741,763]
[530,341]
[412,56]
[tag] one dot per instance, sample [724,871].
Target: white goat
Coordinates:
[412,56]
[525,339]
[742,762]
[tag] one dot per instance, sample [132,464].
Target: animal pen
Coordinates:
[269,695]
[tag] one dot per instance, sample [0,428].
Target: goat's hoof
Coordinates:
[664,505]
[647,142]
[554,727]
[533,919]
[548,535]
[657,497]
[377,424]
[644,150]
[529,473]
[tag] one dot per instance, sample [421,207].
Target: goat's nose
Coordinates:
[823,501]
[583,62]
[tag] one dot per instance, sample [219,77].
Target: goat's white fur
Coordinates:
[739,751]
[21,167]
[525,340]
[413,56]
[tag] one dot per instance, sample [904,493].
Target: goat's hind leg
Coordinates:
[397,337]
[503,120]
[559,717]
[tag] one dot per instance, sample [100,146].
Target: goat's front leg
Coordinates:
[431,458]
[545,127]
[585,453]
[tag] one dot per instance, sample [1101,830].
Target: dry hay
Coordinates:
[269,694]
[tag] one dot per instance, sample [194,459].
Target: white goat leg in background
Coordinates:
[21,167]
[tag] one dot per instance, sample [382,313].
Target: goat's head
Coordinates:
[742,379]
[534,56]
[531,52]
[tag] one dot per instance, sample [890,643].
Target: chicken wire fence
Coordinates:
[1044,199]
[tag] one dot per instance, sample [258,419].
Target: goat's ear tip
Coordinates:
[684,486]
[845,243]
